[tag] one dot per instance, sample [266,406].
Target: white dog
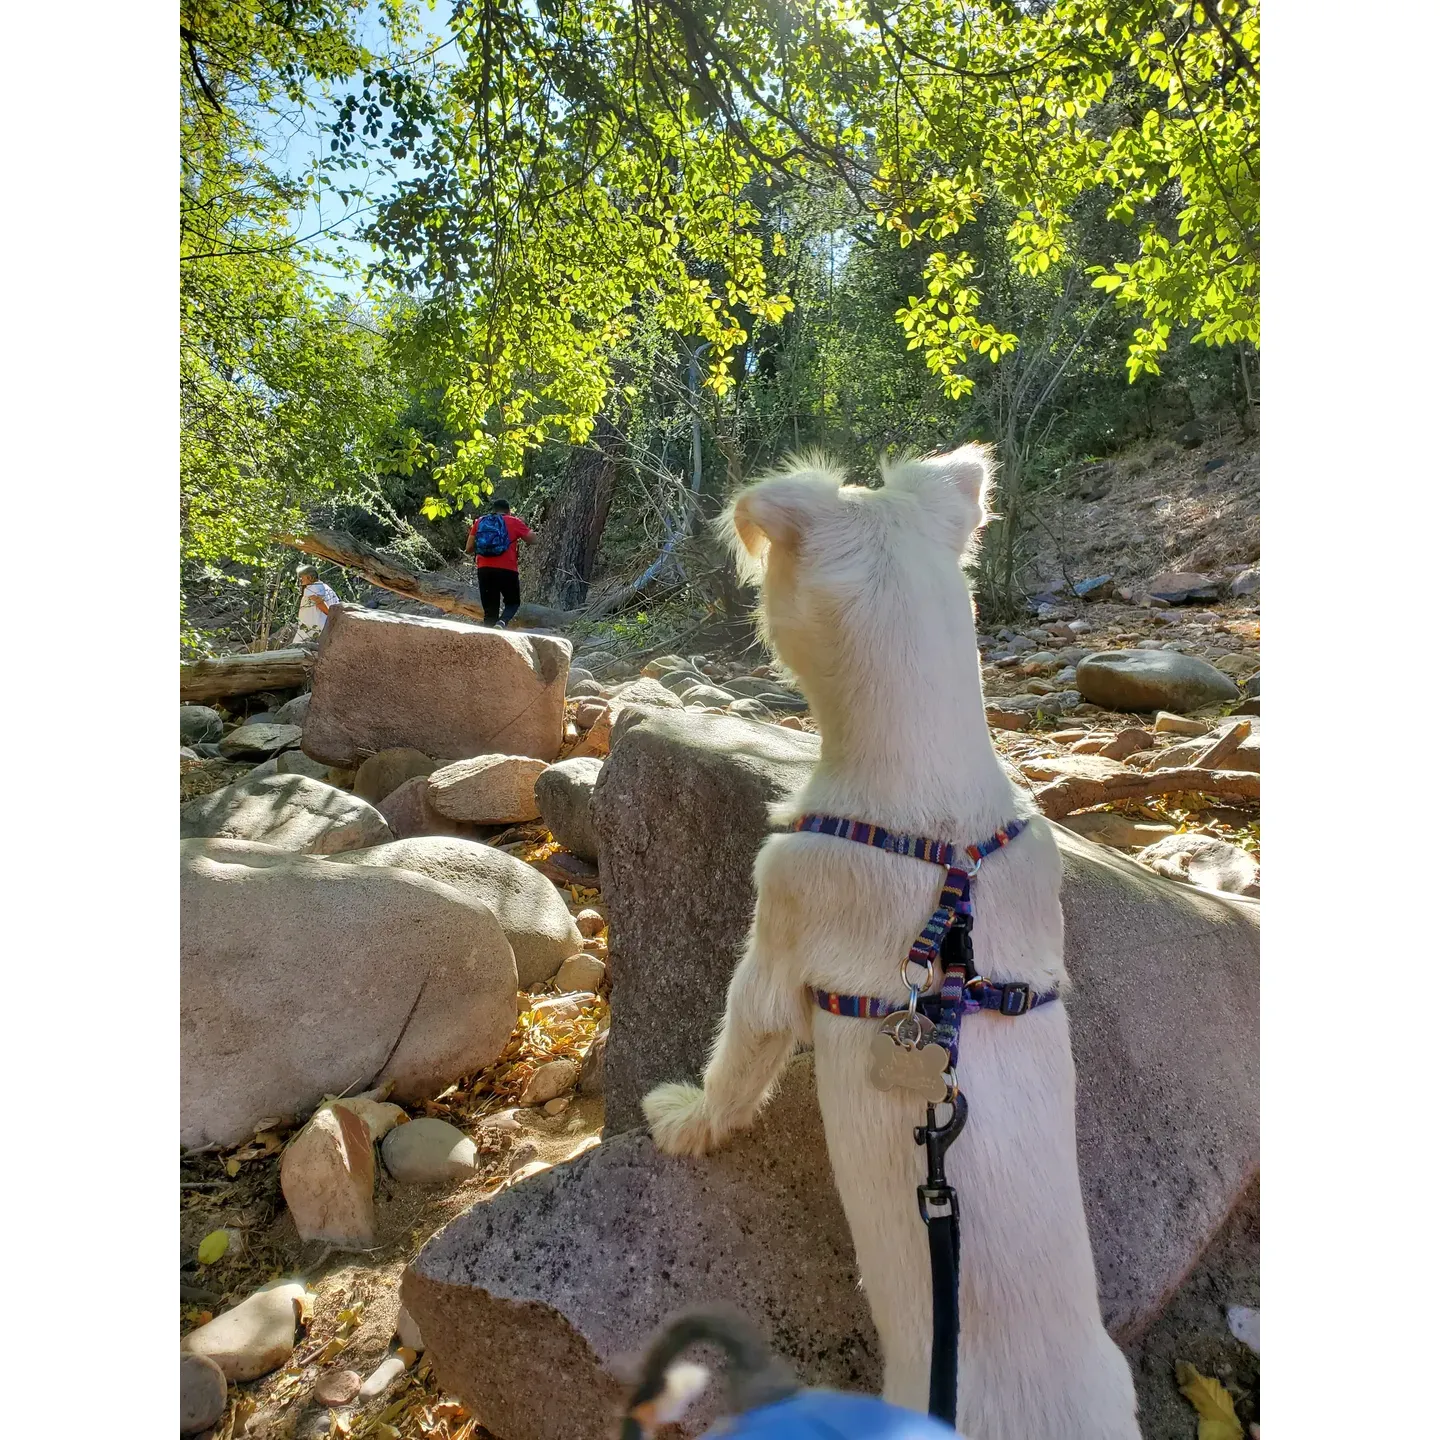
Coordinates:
[864,599]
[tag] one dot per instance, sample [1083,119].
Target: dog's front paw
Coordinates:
[677,1119]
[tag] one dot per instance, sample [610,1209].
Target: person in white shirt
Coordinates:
[316,598]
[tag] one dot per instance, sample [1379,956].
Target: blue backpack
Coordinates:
[492,536]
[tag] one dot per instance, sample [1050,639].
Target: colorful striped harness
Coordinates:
[945,941]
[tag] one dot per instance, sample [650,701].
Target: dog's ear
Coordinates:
[775,512]
[953,489]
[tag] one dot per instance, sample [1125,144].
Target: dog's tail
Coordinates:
[666,1389]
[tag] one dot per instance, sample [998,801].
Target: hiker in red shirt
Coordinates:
[497,562]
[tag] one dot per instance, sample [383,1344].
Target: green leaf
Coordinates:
[213,1247]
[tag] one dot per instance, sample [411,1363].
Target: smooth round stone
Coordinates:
[703,695]
[255,1336]
[336,1387]
[1144,680]
[581,973]
[202,1394]
[428,1152]
[549,1081]
[199,723]
[382,1377]
[750,709]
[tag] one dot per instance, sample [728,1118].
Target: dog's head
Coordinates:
[841,567]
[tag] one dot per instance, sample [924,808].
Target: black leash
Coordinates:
[940,1210]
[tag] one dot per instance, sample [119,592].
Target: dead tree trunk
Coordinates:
[568,542]
[227,675]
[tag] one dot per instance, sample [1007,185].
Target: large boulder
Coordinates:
[680,809]
[1144,680]
[563,794]
[449,689]
[1164,1010]
[536,921]
[301,978]
[569,1272]
[488,789]
[291,812]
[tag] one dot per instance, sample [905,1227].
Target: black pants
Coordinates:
[497,586]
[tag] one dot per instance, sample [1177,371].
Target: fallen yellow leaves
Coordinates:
[1212,1403]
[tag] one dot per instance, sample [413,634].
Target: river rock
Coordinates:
[536,921]
[581,973]
[547,1081]
[382,1377]
[428,1151]
[1204,860]
[595,743]
[706,697]
[297,762]
[1072,767]
[750,709]
[1247,582]
[335,1388]
[446,688]
[382,774]
[327,1175]
[410,814]
[563,795]
[259,742]
[679,680]
[1168,724]
[380,1117]
[254,1337]
[647,692]
[488,789]
[290,812]
[1164,1010]
[1177,586]
[293,712]
[202,1393]
[1142,680]
[199,725]
[300,976]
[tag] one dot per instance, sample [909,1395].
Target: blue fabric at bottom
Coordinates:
[824,1415]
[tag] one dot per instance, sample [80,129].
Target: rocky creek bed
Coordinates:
[369,1161]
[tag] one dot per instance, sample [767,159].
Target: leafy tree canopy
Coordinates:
[589,162]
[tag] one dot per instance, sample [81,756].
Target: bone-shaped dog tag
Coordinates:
[905,1056]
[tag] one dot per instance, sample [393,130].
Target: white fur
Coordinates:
[865,601]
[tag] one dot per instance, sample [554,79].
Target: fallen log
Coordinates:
[226,675]
[1076,792]
[430,587]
